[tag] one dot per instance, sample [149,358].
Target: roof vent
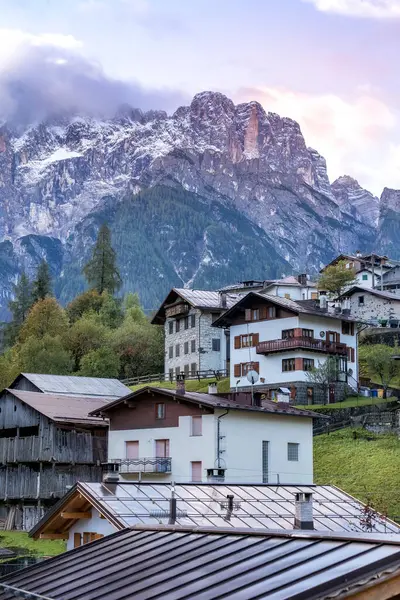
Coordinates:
[212,388]
[302,279]
[216,475]
[111,476]
[323,302]
[303,511]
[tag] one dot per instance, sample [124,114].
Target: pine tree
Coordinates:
[101,271]
[41,287]
[19,308]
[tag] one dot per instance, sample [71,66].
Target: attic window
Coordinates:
[160,410]
[365,277]
[361,300]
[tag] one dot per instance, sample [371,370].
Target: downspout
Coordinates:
[219,437]
[198,346]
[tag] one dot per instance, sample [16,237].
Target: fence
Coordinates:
[159,377]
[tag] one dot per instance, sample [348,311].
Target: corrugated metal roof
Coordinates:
[206,564]
[70,409]
[215,401]
[259,505]
[78,386]
[205,298]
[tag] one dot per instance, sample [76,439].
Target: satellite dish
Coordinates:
[252,376]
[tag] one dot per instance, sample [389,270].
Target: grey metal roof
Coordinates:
[65,409]
[174,563]
[205,298]
[78,386]
[258,505]
[213,401]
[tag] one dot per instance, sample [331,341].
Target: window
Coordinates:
[193,346]
[271,312]
[196,468]
[246,341]
[171,374]
[197,423]
[307,333]
[360,300]
[186,322]
[365,277]
[170,327]
[288,364]
[287,334]
[186,348]
[193,368]
[347,328]
[287,296]
[293,451]
[216,344]
[308,364]
[178,325]
[186,370]
[177,371]
[350,354]
[89,536]
[265,446]
[160,410]
[132,449]
[242,369]
[314,295]
[177,350]
[192,320]
[171,352]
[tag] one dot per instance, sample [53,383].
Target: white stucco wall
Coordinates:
[244,433]
[271,364]
[367,283]
[184,448]
[93,525]
[295,293]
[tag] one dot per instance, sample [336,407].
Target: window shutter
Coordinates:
[247,314]
[237,371]
[77,540]
[237,342]
[298,332]
[338,338]
[298,364]
[263,312]
[256,339]
[256,366]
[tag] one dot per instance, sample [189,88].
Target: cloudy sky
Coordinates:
[330,64]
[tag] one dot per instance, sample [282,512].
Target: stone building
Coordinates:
[373,306]
[192,345]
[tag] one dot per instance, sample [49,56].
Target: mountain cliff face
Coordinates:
[251,170]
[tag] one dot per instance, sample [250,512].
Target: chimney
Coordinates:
[212,388]
[172,507]
[216,475]
[302,279]
[222,299]
[358,254]
[303,511]
[323,302]
[229,507]
[111,476]
[180,385]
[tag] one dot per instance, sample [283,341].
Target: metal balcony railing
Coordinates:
[143,465]
[302,343]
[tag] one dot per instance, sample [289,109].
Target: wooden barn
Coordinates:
[47,444]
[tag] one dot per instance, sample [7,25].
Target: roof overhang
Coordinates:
[225,320]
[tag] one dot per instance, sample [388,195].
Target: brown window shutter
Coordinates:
[263,312]
[348,353]
[256,339]
[343,322]
[247,314]
[298,364]
[237,371]
[256,366]
[77,540]
[237,342]
[298,332]
[338,338]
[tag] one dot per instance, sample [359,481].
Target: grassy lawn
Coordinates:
[23,544]
[348,403]
[366,467]
[192,385]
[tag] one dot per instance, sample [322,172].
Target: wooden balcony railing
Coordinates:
[143,465]
[302,343]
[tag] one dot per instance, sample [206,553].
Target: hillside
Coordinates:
[366,467]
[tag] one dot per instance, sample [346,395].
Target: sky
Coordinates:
[332,65]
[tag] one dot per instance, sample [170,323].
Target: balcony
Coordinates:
[143,465]
[302,343]
[176,310]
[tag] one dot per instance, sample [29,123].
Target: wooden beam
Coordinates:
[54,536]
[76,515]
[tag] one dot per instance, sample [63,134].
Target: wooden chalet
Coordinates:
[47,443]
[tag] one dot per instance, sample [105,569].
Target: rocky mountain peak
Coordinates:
[390,200]
[355,200]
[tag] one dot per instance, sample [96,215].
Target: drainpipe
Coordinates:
[219,437]
[198,345]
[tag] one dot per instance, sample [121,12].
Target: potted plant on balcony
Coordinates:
[382,322]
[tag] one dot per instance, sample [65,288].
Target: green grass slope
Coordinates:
[366,467]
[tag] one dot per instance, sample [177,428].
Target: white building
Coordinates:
[170,435]
[292,288]
[373,306]
[369,268]
[282,340]
[192,345]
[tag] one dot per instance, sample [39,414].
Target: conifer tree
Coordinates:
[101,271]
[19,308]
[41,287]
